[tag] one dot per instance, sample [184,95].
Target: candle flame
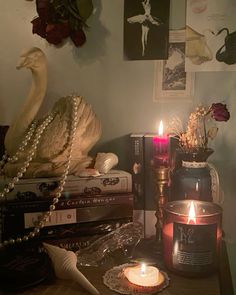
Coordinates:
[192,213]
[197,187]
[161,129]
[143,268]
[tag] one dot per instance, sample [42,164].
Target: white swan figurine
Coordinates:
[64,263]
[52,150]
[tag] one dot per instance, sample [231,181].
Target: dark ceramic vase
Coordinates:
[193,179]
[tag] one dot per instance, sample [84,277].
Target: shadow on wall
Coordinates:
[224,160]
[96,35]
[118,146]
[1,107]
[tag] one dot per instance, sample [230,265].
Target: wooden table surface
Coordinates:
[217,284]
[208,286]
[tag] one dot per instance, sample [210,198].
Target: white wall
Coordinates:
[120,91]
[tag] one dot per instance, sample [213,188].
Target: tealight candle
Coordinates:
[142,275]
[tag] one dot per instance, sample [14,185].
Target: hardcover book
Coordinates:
[74,243]
[115,181]
[137,171]
[18,221]
[68,243]
[151,193]
[74,201]
[143,182]
[67,231]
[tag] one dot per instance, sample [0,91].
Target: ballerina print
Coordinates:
[147,21]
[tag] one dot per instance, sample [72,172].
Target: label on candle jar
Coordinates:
[194,247]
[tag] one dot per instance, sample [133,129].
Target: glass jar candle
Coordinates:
[192,237]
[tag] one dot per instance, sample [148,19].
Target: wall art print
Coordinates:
[170,79]
[146,29]
[211,35]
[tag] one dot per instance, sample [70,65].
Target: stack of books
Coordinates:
[88,208]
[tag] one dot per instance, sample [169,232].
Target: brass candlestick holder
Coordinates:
[161,178]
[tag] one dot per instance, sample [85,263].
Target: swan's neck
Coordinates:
[28,111]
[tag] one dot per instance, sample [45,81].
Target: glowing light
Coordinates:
[161,129]
[197,188]
[143,275]
[192,213]
[143,268]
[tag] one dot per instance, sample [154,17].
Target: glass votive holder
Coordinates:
[192,236]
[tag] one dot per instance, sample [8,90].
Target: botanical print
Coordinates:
[146,29]
[211,35]
[171,80]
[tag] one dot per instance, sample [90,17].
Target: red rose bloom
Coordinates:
[55,33]
[219,112]
[78,37]
[59,19]
[39,27]
[44,10]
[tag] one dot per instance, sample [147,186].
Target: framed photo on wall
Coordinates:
[171,82]
[146,29]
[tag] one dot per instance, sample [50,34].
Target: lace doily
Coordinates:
[115,280]
[194,164]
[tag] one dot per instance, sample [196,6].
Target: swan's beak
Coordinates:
[21,63]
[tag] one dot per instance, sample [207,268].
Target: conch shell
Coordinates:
[105,161]
[64,263]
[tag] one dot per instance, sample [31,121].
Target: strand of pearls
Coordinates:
[38,134]
[21,148]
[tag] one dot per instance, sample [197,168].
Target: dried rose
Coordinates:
[78,37]
[55,33]
[39,27]
[59,19]
[219,112]
[64,29]
[44,10]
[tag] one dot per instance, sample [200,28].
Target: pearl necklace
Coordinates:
[35,132]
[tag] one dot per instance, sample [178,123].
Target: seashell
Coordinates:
[105,161]
[89,172]
[64,263]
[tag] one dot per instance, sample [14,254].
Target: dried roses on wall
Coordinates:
[60,19]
